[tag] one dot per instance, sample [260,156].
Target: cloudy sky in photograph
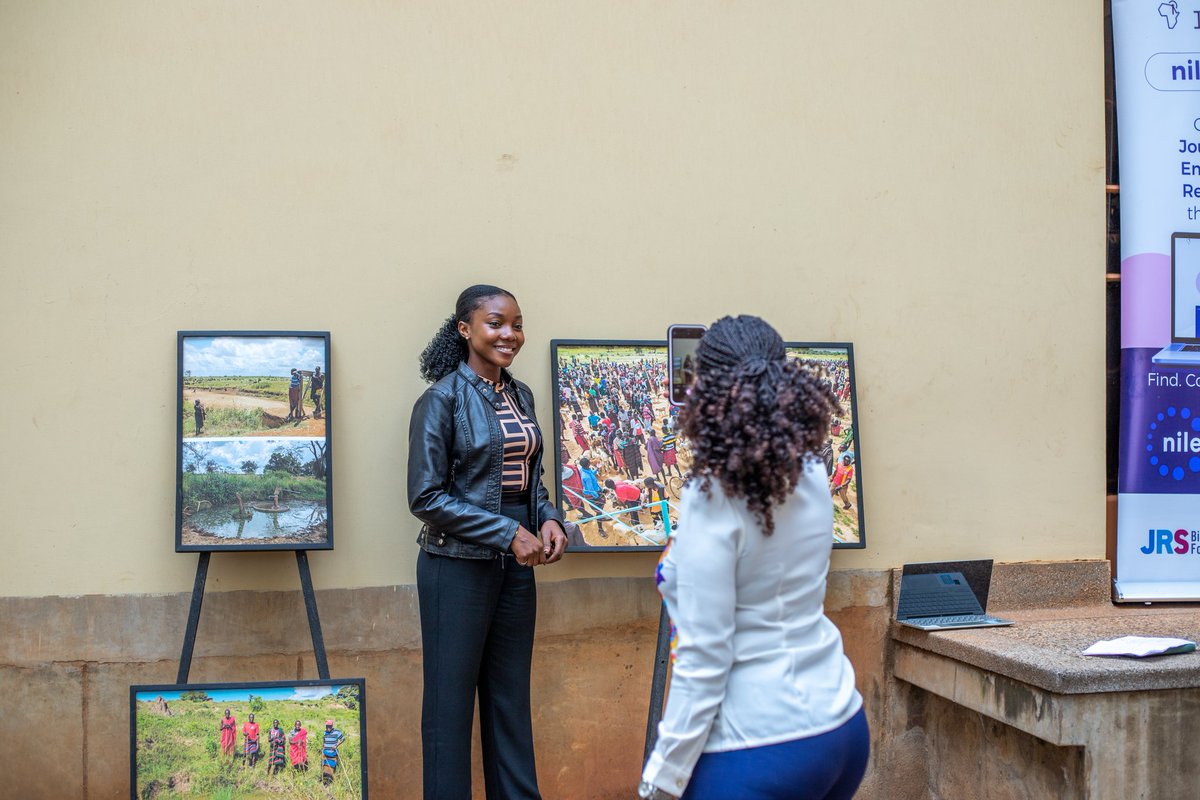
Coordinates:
[235,695]
[251,355]
[230,454]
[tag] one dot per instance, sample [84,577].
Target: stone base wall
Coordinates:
[66,665]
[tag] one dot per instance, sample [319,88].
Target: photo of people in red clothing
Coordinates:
[620,459]
[245,740]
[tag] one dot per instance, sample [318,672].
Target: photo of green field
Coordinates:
[254,386]
[180,749]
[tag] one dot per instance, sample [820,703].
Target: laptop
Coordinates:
[944,595]
[1184,349]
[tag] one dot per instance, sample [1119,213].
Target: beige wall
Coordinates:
[924,179]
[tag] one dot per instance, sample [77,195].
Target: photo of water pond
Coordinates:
[302,518]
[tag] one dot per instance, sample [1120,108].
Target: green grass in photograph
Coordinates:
[615,355]
[179,755]
[845,524]
[257,385]
[224,421]
[218,488]
[810,354]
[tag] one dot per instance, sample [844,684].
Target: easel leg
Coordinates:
[314,621]
[189,636]
[658,685]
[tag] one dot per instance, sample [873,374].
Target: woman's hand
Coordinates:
[555,541]
[527,548]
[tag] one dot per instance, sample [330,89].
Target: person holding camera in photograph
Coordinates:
[475,481]
[762,699]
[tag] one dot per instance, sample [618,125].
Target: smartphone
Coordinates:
[682,343]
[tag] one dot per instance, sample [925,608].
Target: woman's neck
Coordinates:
[489,372]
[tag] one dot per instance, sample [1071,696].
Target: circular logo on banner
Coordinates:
[1173,443]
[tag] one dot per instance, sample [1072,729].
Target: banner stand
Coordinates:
[1156,71]
[1155,591]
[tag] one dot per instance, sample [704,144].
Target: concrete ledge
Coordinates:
[1059,609]
[1136,744]
[1135,719]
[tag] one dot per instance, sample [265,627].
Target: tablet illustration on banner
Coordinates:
[1184,349]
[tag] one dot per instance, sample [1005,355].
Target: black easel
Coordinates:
[310,603]
[658,684]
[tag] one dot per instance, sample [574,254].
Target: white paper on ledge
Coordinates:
[1140,646]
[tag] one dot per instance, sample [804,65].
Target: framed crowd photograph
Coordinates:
[619,462]
[299,739]
[834,362]
[254,467]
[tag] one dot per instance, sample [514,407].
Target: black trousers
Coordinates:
[477,621]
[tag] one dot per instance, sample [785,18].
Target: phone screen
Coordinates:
[682,343]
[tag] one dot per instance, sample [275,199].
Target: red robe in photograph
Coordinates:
[299,747]
[228,735]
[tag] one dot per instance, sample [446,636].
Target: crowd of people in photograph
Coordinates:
[620,445]
[283,747]
[838,452]
[617,416]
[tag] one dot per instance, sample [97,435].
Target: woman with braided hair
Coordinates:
[762,702]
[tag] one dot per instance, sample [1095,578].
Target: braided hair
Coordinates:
[447,347]
[753,416]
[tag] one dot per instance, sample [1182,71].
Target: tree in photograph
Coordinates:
[282,460]
[195,454]
[249,467]
[348,696]
[195,694]
[317,465]
[257,704]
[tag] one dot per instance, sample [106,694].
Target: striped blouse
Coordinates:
[522,438]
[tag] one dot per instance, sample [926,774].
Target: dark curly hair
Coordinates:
[753,415]
[441,356]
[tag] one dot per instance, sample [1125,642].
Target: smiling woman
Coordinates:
[475,481]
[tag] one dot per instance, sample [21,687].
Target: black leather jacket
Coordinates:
[455,460]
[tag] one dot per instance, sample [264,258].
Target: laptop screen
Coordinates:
[978,574]
[1185,287]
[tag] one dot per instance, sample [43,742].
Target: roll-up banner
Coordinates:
[1157,68]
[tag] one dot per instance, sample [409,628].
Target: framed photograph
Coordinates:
[619,462]
[254,464]
[300,739]
[834,361]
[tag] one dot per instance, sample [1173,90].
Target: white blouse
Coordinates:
[757,662]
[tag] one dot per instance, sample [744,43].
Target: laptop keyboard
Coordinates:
[924,604]
[1190,348]
[954,619]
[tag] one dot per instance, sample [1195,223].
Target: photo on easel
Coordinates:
[299,739]
[254,468]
